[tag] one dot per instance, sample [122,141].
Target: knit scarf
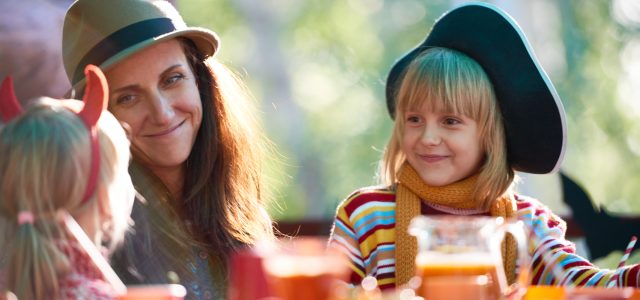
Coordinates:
[458,195]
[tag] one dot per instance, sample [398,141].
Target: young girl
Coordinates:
[61,158]
[471,106]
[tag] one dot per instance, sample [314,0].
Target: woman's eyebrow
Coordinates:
[137,86]
[134,86]
[170,69]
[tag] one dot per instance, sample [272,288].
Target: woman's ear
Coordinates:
[127,129]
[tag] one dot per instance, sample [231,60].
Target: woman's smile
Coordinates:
[160,103]
[165,133]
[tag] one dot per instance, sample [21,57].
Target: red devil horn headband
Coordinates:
[9,105]
[95,96]
[95,102]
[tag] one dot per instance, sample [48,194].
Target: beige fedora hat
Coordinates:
[104,32]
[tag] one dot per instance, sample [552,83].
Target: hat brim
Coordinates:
[533,114]
[205,40]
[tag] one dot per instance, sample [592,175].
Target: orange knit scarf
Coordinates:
[411,189]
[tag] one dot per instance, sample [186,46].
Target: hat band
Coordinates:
[121,40]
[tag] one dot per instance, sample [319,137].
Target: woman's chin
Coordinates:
[165,162]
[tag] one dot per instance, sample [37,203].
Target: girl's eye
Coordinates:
[451,121]
[413,119]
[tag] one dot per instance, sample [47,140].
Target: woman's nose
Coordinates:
[162,111]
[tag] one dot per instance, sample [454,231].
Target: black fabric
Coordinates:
[121,40]
[144,259]
[603,232]
[533,120]
[136,262]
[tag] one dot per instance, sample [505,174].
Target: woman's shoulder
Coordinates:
[371,196]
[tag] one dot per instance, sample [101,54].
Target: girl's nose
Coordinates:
[431,136]
[162,111]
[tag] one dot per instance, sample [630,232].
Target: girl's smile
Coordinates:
[433,158]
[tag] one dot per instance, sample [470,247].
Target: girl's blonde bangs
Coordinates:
[445,80]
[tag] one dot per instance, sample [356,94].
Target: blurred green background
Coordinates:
[317,70]
[318,67]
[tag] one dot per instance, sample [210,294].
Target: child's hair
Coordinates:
[447,80]
[44,167]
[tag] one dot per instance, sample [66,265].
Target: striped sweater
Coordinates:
[364,229]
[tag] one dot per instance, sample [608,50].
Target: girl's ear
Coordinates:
[104,206]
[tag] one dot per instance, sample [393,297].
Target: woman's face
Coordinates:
[442,147]
[154,91]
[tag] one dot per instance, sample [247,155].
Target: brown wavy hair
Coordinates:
[222,207]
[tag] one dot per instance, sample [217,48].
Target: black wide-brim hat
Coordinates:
[533,114]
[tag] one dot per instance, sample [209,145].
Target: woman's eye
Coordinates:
[125,99]
[173,79]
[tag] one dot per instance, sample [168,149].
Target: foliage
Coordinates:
[318,70]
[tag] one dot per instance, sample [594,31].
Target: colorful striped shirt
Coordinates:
[364,229]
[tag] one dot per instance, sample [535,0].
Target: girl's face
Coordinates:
[442,147]
[154,91]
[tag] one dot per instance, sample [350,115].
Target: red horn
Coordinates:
[9,105]
[95,102]
[96,95]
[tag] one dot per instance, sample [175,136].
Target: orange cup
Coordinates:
[457,287]
[545,292]
[303,268]
[599,293]
[155,292]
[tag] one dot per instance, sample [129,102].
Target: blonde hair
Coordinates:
[44,166]
[447,80]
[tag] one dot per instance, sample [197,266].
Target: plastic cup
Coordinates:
[155,292]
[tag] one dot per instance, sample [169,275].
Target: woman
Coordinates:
[196,154]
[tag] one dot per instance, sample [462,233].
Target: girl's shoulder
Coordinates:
[78,286]
[84,280]
[537,215]
[526,203]
[523,201]
[369,196]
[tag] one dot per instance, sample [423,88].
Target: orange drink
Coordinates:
[303,268]
[310,287]
[460,275]
[427,271]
